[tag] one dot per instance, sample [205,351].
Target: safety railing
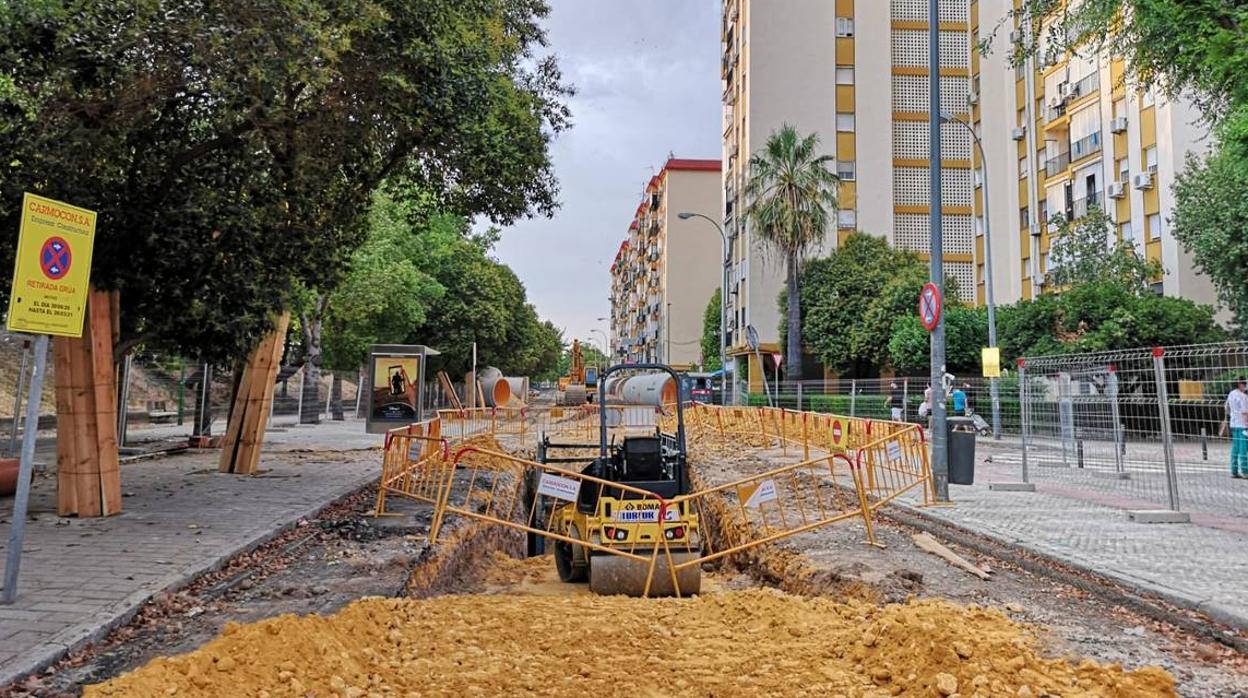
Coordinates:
[501,489]
[414,464]
[777,426]
[778,504]
[895,463]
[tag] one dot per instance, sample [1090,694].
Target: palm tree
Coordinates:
[791,199]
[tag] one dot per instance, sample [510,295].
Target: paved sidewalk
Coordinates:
[81,577]
[1193,565]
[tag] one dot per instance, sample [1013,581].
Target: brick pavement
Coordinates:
[81,577]
[1194,565]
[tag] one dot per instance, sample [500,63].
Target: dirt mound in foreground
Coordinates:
[747,643]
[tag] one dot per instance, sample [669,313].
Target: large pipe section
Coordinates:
[496,388]
[656,389]
[519,387]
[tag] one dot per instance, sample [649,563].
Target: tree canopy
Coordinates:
[231,149]
[1081,253]
[851,299]
[791,201]
[711,320]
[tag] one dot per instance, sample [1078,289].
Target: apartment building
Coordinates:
[666,268]
[1059,135]
[1084,136]
[856,73]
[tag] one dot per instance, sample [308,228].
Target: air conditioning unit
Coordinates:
[1019,133]
[1055,103]
[1118,124]
[1144,180]
[972,98]
[1065,89]
[1116,190]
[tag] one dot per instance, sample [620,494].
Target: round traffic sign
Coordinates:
[929,306]
[55,258]
[838,432]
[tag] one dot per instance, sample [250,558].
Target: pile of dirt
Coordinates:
[756,642]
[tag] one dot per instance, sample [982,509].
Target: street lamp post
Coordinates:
[723,295]
[606,344]
[946,117]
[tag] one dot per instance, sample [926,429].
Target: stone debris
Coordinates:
[733,643]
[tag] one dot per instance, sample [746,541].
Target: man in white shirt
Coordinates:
[1237,415]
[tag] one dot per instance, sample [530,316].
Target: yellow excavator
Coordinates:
[654,462]
[572,391]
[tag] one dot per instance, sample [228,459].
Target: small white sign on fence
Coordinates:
[564,488]
[763,493]
[894,451]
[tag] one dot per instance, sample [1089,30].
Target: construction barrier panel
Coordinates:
[501,489]
[896,463]
[778,504]
[414,464]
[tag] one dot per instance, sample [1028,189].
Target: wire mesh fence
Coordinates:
[1139,428]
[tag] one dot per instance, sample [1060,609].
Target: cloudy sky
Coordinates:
[647,79]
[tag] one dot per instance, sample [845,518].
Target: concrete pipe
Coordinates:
[650,389]
[496,388]
[519,387]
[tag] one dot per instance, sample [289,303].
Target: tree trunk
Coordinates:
[793,340]
[311,412]
[335,396]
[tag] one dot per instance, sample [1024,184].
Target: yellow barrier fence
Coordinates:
[414,464]
[502,489]
[896,463]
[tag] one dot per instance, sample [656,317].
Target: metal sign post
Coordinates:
[940,439]
[17,526]
[51,279]
[751,338]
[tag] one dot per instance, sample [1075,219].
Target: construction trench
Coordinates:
[817,613]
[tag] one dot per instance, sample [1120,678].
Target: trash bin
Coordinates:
[961,450]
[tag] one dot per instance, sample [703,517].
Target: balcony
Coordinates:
[1086,86]
[1086,146]
[1056,165]
[1053,112]
[1080,207]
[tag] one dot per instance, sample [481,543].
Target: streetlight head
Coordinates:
[684,215]
[946,117]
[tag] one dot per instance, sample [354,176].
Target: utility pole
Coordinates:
[940,437]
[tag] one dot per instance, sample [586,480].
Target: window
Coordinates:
[1147,99]
[1022,167]
[979,226]
[1125,234]
[1044,262]
[1152,223]
[1157,288]
[845,122]
[845,75]
[1120,108]
[847,218]
[1024,217]
[847,170]
[1150,158]
[1124,171]
[844,27]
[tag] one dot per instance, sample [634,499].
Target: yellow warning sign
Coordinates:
[52,269]
[991,358]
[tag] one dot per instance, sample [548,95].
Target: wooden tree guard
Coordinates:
[449,389]
[240,451]
[88,481]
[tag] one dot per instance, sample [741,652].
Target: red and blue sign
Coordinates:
[55,258]
[929,306]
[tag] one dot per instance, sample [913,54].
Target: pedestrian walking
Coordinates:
[1237,417]
[925,407]
[897,401]
[959,401]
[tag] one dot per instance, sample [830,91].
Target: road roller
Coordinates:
[617,518]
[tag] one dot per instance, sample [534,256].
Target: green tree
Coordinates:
[1194,47]
[711,320]
[1211,216]
[851,298]
[1081,253]
[966,331]
[791,201]
[232,149]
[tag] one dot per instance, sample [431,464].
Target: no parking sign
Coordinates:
[52,269]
